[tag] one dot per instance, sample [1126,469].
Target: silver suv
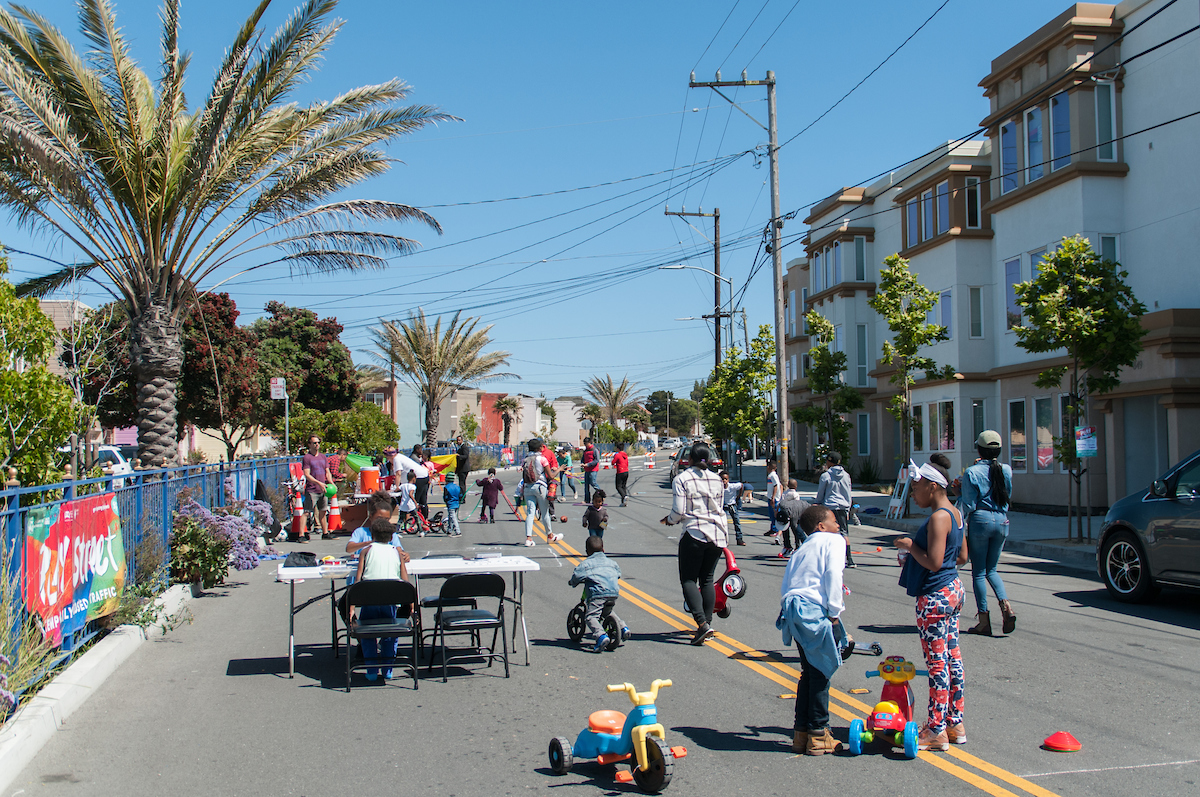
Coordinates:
[1152,537]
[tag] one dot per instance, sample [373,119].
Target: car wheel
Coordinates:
[1125,569]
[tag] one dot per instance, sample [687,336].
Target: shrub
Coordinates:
[228,525]
[197,554]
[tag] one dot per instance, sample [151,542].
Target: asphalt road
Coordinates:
[209,710]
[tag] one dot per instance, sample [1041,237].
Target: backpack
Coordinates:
[529,469]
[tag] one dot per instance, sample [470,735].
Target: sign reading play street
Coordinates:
[278,387]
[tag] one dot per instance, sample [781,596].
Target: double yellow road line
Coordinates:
[847,707]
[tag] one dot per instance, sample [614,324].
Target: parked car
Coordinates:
[670,442]
[1152,537]
[683,459]
[112,460]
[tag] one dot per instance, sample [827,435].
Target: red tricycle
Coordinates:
[891,719]
[730,586]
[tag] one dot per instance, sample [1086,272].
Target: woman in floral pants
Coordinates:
[930,574]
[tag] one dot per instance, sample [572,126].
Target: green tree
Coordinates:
[904,304]
[157,198]
[825,382]
[95,361]
[509,408]
[37,410]
[611,397]
[638,418]
[668,413]
[548,410]
[736,395]
[307,351]
[364,427]
[437,363]
[469,425]
[698,388]
[1083,304]
[605,432]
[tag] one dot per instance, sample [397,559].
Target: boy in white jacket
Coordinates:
[810,599]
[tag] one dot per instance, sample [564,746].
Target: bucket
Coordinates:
[368,480]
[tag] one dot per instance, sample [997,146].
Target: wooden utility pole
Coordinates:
[776,224]
[716,242]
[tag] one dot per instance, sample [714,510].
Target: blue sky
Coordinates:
[561,96]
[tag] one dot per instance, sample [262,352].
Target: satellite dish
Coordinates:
[586,424]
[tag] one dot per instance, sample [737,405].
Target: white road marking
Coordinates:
[1110,769]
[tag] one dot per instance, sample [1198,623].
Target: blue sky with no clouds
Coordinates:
[562,96]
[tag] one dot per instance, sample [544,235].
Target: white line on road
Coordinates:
[1110,769]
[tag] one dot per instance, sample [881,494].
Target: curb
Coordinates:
[1070,558]
[35,723]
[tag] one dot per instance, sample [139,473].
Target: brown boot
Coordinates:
[984,626]
[1010,619]
[799,741]
[822,742]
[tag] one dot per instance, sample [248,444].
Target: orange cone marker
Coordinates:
[1062,742]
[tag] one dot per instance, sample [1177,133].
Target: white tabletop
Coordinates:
[441,566]
[321,571]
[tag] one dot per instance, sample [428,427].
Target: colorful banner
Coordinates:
[1086,442]
[74,563]
[443,462]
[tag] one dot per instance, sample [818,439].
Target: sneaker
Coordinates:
[601,644]
[456,534]
[327,536]
[703,634]
[626,634]
[957,734]
[783,554]
[622,503]
[529,543]
[388,675]
[929,740]
[850,564]
[771,534]
[372,676]
[741,542]
[775,541]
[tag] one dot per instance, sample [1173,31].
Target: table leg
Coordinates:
[291,629]
[333,617]
[519,612]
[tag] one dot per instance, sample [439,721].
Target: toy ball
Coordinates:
[562,519]
[330,490]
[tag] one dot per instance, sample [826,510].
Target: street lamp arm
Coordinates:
[698,268]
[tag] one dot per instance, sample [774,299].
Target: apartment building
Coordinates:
[1064,154]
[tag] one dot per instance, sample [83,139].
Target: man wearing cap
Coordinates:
[833,491]
[316,476]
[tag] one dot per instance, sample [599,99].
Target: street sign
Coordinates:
[278,387]
[586,424]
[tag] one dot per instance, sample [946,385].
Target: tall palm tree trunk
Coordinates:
[156,356]
[433,415]
[507,429]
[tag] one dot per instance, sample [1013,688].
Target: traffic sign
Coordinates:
[278,387]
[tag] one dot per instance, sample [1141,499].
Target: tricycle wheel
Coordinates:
[614,633]
[910,740]
[560,756]
[734,586]
[660,765]
[877,648]
[575,623]
[724,611]
[856,733]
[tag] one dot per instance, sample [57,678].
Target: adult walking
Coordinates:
[833,491]
[621,465]
[986,488]
[591,464]
[774,493]
[402,466]
[316,476]
[697,504]
[462,464]
[930,574]
[422,470]
[536,474]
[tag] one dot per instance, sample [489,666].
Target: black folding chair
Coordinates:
[383,592]
[435,601]
[472,621]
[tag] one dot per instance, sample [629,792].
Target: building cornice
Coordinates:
[856,195]
[1065,174]
[841,289]
[843,233]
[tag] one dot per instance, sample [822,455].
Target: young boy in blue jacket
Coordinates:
[599,574]
[453,496]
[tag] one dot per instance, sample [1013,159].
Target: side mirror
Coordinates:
[1159,488]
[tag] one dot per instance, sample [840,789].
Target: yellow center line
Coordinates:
[783,674]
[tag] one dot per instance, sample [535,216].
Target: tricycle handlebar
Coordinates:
[640,698]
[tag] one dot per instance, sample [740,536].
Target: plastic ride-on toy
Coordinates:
[611,737]
[891,719]
[730,586]
[576,627]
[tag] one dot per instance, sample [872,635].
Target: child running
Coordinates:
[595,517]
[599,575]
[491,496]
[811,597]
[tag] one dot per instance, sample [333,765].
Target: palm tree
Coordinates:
[156,197]
[614,399]
[509,408]
[438,363]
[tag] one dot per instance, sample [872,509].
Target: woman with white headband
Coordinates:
[930,574]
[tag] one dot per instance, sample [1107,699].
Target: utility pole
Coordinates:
[781,434]
[717,314]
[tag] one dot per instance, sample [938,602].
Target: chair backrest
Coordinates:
[473,585]
[381,592]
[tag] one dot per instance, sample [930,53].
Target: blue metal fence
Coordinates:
[146,499]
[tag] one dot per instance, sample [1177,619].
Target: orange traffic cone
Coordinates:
[297,517]
[335,514]
[1061,742]
[650,462]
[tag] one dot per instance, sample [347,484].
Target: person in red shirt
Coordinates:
[621,464]
[548,453]
[591,464]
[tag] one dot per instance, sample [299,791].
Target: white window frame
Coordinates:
[915,435]
[860,258]
[1116,239]
[1007,174]
[1008,287]
[862,345]
[1034,170]
[982,406]
[946,305]
[1059,159]
[791,317]
[1008,427]
[928,223]
[804,307]
[1111,87]
[1063,398]
[1034,257]
[941,200]
[973,188]
[815,265]
[863,429]
[973,291]
[1037,468]
[828,268]
[912,222]
[837,262]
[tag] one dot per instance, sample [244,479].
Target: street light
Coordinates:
[717,310]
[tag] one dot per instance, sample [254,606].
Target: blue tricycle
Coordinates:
[611,737]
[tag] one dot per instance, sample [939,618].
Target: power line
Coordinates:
[768,39]
[747,30]
[715,35]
